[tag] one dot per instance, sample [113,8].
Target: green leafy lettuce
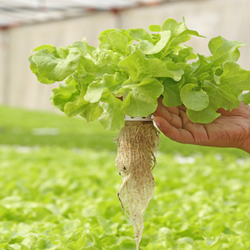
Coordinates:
[131,69]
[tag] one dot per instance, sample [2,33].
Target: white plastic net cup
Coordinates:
[138,118]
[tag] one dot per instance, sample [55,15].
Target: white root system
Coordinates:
[137,145]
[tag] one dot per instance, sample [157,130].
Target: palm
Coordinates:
[229,130]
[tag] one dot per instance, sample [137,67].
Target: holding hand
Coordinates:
[231,129]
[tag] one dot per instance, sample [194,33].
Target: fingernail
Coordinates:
[157,123]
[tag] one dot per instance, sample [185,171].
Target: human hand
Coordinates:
[231,129]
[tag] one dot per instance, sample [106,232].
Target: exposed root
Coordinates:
[137,144]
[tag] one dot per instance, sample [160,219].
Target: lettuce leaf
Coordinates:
[142,99]
[54,66]
[194,99]
[139,66]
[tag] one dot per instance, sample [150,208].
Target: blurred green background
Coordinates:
[59,185]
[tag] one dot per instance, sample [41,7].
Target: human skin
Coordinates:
[231,129]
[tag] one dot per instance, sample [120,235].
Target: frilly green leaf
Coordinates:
[139,67]
[112,117]
[66,92]
[193,99]
[53,67]
[142,99]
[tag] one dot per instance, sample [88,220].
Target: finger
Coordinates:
[170,114]
[173,110]
[171,118]
[176,134]
[184,118]
[240,111]
[182,107]
[199,132]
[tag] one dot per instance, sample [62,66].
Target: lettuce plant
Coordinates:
[144,66]
[127,73]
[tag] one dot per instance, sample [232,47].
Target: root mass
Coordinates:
[137,144]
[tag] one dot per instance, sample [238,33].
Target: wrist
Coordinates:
[246,147]
[246,137]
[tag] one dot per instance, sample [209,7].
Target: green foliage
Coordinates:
[135,62]
[59,191]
